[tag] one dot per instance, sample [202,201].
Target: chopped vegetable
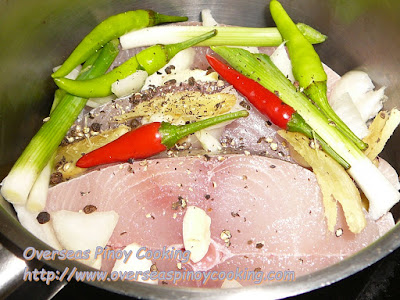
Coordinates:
[361,90]
[348,112]
[17,185]
[281,60]
[207,18]
[379,191]
[375,130]
[180,62]
[96,102]
[79,231]
[43,231]
[381,130]
[112,28]
[134,264]
[335,184]
[232,36]
[149,140]
[209,142]
[307,67]
[129,85]
[270,105]
[371,103]
[73,74]
[150,60]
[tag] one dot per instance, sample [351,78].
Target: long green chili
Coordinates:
[150,60]
[112,28]
[307,68]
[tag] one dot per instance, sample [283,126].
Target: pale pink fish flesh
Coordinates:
[273,227]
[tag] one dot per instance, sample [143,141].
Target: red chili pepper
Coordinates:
[270,105]
[149,140]
[265,101]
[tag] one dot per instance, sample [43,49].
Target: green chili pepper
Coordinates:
[307,68]
[111,28]
[150,60]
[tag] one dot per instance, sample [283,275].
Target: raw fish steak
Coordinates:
[272,208]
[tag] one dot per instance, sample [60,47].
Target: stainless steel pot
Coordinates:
[37,35]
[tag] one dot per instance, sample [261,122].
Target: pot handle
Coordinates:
[12,269]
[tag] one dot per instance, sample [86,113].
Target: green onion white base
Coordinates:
[368,177]
[17,185]
[38,195]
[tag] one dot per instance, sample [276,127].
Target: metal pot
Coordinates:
[37,35]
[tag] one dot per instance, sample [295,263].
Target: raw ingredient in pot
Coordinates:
[380,193]
[68,155]
[271,226]
[111,28]
[148,140]
[307,68]
[149,60]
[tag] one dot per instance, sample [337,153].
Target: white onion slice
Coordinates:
[207,18]
[129,85]
[360,88]
[281,60]
[347,111]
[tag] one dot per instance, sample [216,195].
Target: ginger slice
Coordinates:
[381,129]
[68,155]
[334,181]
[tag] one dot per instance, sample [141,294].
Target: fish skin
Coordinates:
[249,196]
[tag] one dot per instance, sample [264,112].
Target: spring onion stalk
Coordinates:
[59,93]
[17,185]
[379,191]
[38,194]
[227,36]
